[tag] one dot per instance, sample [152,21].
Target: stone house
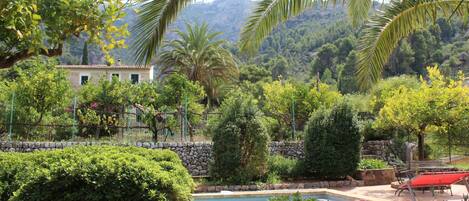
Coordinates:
[81,74]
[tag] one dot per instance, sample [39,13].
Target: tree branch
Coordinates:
[7,62]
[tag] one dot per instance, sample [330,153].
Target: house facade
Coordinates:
[82,74]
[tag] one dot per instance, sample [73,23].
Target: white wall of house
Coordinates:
[95,72]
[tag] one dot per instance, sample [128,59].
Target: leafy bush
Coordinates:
[94,173]
[168,97]
[367,164]
[101,107]
[371,133]
[283,167]
[240,142]
[41,94]
[272,178]
[281,97]
[332,142]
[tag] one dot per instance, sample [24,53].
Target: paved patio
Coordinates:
[385,192]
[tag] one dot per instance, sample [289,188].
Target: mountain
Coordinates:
[226,16]
[316,41]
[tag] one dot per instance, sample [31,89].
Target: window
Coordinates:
[134,78]
[84,79]
[116,75]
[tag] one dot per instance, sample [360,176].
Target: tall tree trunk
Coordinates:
[191,134]
[421,145]
[155,136]
[154,129]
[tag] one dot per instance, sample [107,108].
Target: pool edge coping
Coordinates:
[326,191]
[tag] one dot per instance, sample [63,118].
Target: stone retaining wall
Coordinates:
[196,156]
[376,148]
[282,186]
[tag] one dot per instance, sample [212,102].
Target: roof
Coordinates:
[103,67]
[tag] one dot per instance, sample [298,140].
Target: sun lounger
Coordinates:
[434,181]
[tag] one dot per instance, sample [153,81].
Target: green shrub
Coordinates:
[42,92]
[332,143]
[101,106]
[240,142]
[94,173]
[367,164]
[370,133]
[283,167]
[273,178]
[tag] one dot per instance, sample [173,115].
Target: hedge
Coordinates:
[240,142]
[94,173]
[332,142]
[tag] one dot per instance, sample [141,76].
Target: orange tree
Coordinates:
[440,102]
[29,28]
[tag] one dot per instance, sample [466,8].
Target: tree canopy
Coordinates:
[439,102]
[200,56]
[29,28]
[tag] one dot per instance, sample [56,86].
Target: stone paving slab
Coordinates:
[385,192]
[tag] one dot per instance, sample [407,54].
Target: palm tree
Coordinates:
[382,32]
[200,56]
[155,16]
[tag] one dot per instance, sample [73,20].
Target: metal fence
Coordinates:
[125,124]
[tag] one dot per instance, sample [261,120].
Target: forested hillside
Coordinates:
[322,45]
[224,16]
[320,42]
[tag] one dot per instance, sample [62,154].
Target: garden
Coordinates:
[315,106]
[332,128]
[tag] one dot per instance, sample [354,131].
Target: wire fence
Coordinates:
[123,124]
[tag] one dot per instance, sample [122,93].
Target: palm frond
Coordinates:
[358,10]
[384,31]
[200,56]
[266,16]
[153,20]
[269,13]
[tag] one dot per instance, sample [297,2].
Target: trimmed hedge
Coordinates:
[240,142]
[332,143]
[94,173]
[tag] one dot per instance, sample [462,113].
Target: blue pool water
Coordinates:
[265,198]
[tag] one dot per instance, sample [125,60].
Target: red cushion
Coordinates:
[436,179]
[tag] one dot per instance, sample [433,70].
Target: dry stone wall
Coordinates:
[196,156]
[377,148]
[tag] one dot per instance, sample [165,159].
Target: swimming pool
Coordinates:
[265,198]
[322,194]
